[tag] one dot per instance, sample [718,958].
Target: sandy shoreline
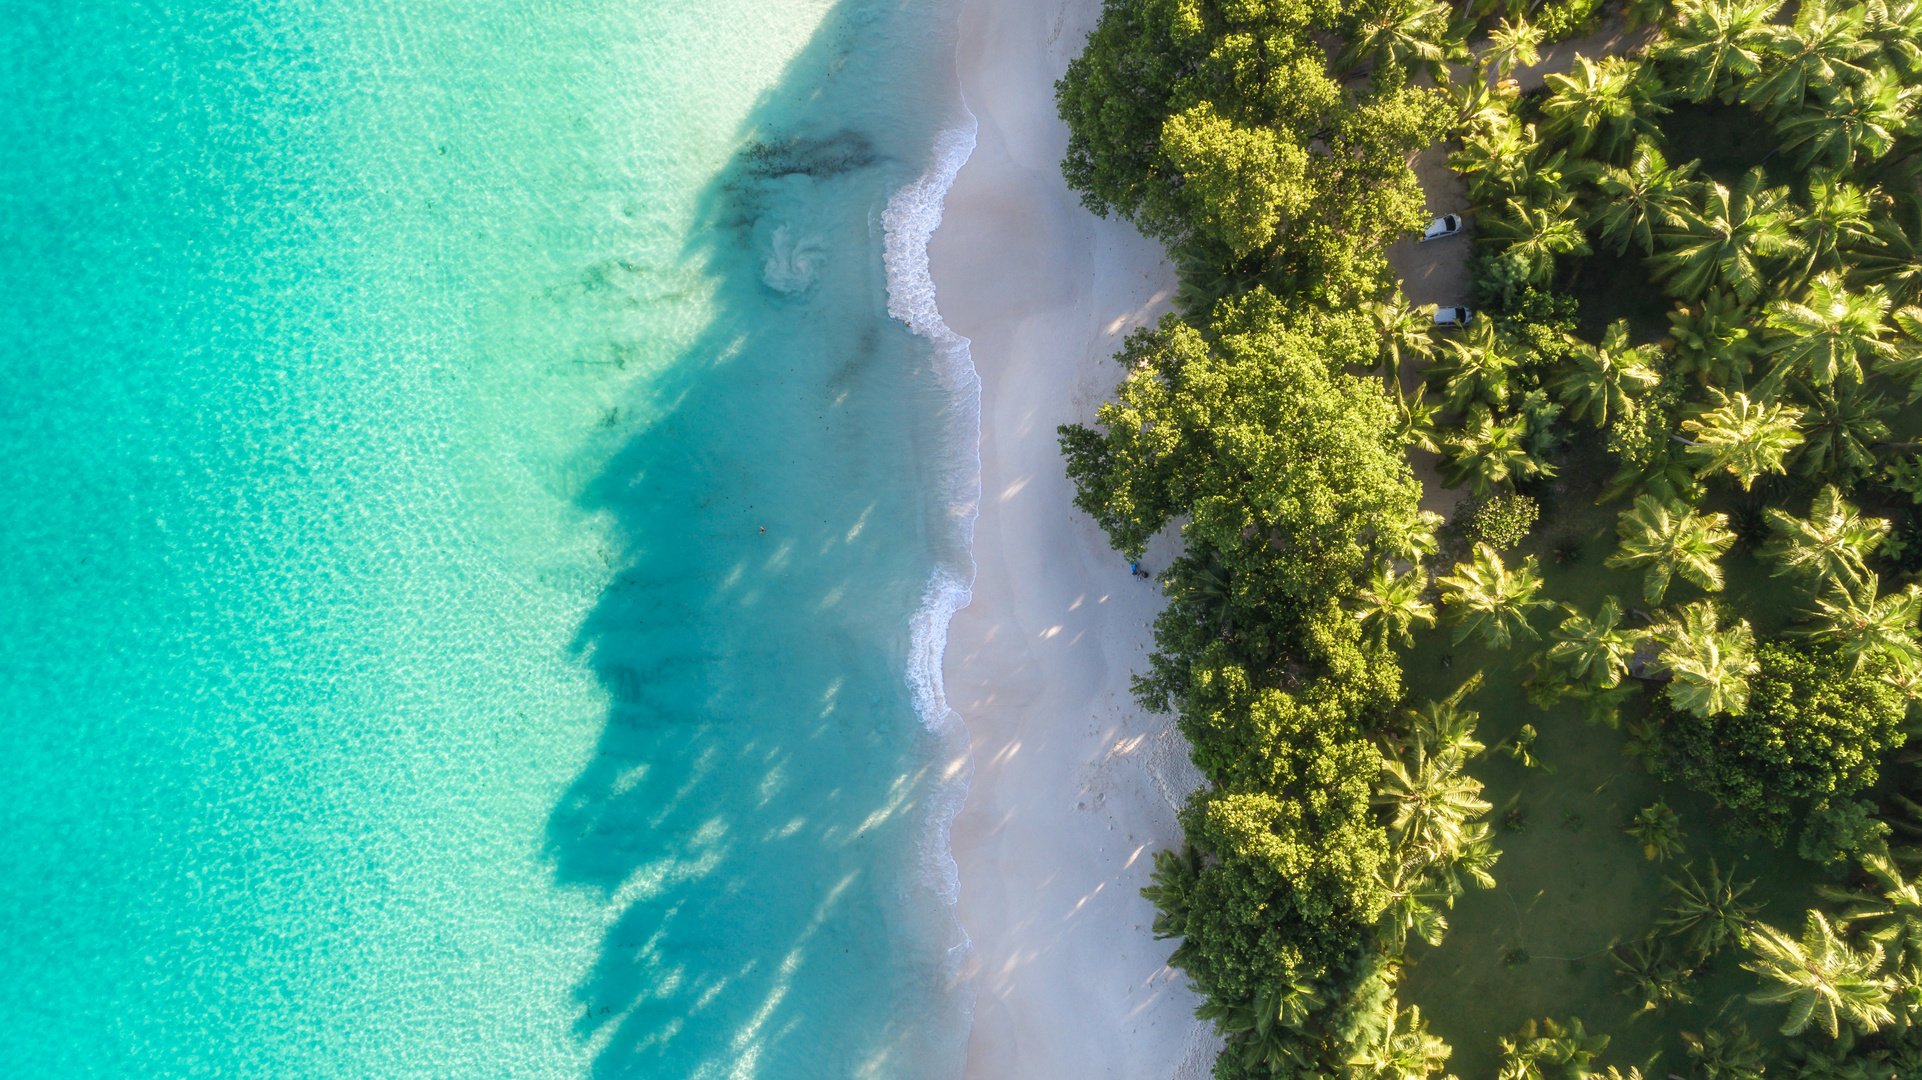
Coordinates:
[1074,786]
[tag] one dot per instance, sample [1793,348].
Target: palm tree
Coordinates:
[1906,366]
[1433,802]
[1646,197]
[1747,438]
[1415,903]
[1823,48]
[1726,240]
[1604,377]
[1474,368]
[1401,329]
[1670,538]
[1891,913]
[1474,858]
[1895,27]
[1659,829]
[1842,422]
[1829,545]
[1536,232]
[1415,419]
[1605,106]
[1571,1047]
[1821,978]
[1890,253]
[1408,535]
[1493,156]
[1712,340]
[1484,596]
[1710,912]
[1487,453]
[1725,1054]
[1827,337]
[1854,122]
[1709,666]
[1408,1053]
[1654,976]
[1391,604]
[1863,625]
[1647,12]
[1837,216]
[1266,1031]
[1443,728]
[1592,654]
[1718,45]
[1664,472]
[1511,43]
[1400,35]
[1482,107]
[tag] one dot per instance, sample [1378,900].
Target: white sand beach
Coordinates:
[1074,786]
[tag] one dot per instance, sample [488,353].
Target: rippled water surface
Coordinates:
[398,677]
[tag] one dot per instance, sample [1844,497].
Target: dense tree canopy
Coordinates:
[1284,462]
[1217,124]
[1813,728]
[1267,143]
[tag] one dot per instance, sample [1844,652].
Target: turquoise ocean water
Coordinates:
[398,681]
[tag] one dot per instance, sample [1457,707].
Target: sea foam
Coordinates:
[910,220]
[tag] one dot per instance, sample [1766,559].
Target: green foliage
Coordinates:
[1822,979]
[1604,380]
[1829,545]
[1643,198]
[1904,475]
[1742,437]
[1257,433]
[1500,521]
[1540,322]
[1813,729]
[1295,886]
[1643,442]
[1658,829]
[1669,539]
[1840,828]
[1604,108]
[1709,913]
[1727,241]
[1546,1050]
[1654,974]
[1148,62]
[1484,597]
[1217,120]
[1241,182]
[1565,19]
[1729,1053]
[1587,660]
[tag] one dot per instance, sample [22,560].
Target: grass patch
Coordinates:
[1572,884]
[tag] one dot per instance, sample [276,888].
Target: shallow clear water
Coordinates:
[397,677]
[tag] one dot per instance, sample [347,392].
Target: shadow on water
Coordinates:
[759,794]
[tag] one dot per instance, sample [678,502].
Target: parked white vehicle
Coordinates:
[1450,317]
[1445,225]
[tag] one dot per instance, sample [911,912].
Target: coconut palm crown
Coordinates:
[1668,538]
[1821,978]
[1485,597]
[1709,664]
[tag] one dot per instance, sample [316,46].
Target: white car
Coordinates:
[1445,225]
[1451,317]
